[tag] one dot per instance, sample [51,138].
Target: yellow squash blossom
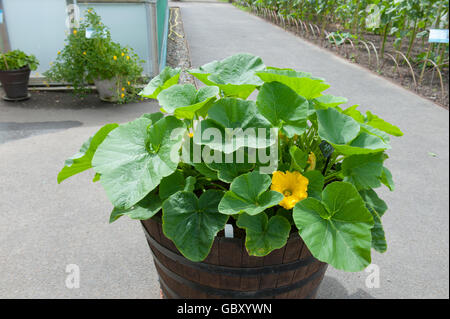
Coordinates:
[122,95]
[75,32]
[123,89]
[115,58]
[311,161]
[292,185]
[84,53]
[128,83]
[123,54]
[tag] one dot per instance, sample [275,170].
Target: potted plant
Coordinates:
[15,68]
[242,198]
[90,56]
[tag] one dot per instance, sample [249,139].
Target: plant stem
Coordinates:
[386,27]
[6,62]
[412,38]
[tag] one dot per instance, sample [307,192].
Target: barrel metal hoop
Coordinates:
[231,271]
[263,293]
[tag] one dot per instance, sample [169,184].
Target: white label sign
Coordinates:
[438,35]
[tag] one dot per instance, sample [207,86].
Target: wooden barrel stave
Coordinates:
[229,272]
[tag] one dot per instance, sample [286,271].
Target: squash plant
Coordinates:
[312,166]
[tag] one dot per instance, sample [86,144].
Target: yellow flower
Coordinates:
[123,54]
[84,53]
[115,58]
[59,52]
[292,185]
[123,89]
[75,32]
[191,134]
[128,57]
[128,83]
[122,95]
[89,10]
[311,161]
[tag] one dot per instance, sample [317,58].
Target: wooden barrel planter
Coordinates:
[229,272]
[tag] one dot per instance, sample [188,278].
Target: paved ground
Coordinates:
[45,226]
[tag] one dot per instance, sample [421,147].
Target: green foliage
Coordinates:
[263,234]
[162,81]
[401,23]
[337,229]
[90,54]
[83,159]
[16,59]
[192,223]
[249,193]
[328,159]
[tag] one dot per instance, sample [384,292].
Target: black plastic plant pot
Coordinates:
[15,82]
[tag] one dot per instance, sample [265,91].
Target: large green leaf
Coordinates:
[144,209]
[136,156]
[301,82]
[337,230]
[299,158]
[354,113]
[228,170]
[377,207]
[346,134]
[335,127]
[175,182]
[235,75]
[193,223]
[283,108]
[363,171]
[162,81]
[364,143]
[249,193]
[184,101]
[386,178]
[327,100]
[382,125]
[83,159]
[264,235]
[232,124]
[315,183]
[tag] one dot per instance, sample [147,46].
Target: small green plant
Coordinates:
[205,164]
[339,38]
[90,55]
[16,59]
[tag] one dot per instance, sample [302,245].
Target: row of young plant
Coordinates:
[328,159]
[403,24]
[404,20]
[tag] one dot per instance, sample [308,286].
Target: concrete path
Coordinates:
[417,223]
[45,227]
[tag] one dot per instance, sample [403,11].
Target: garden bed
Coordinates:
[365,51]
